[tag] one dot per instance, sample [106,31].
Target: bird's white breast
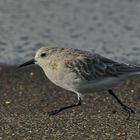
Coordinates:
[62,76]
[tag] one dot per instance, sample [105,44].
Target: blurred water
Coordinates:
[109,27]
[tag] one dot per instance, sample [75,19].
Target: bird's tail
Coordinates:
[132,69]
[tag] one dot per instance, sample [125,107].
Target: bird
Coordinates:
[82,72]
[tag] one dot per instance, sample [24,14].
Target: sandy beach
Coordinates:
[26,96]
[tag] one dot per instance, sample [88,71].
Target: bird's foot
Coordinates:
[129,111]
[54,112]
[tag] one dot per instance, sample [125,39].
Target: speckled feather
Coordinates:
[89,65]
[92,66]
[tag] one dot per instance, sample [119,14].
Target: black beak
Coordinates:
[32,61]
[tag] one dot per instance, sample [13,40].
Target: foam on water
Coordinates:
[109,27]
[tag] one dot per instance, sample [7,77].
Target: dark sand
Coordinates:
[26,96]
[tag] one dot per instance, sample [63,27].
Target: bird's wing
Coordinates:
[94,66]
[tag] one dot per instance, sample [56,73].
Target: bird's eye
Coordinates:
[43,54]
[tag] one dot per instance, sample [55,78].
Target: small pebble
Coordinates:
[132,90]
[121,134]
[7,102]
[93,131]
[20,93]
[31,74]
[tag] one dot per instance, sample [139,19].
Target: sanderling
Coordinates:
[82,72]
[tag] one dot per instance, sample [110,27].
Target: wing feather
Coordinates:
[94,66]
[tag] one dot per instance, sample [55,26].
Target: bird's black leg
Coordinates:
[126,108]
[54,112]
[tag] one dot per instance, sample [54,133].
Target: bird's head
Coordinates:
[40,57]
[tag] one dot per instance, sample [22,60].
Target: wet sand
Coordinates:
[26,96]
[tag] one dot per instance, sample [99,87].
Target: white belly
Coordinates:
[63,78]
[100,84]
